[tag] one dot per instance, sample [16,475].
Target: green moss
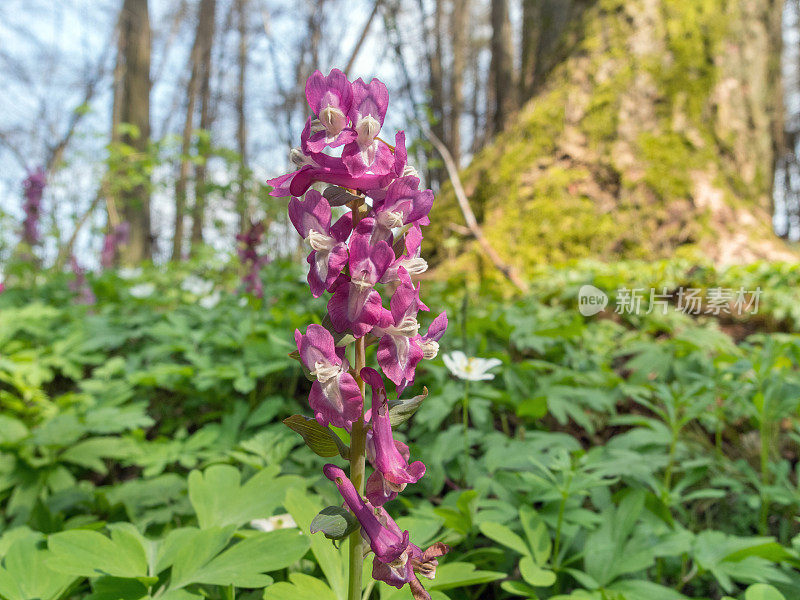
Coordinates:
[539,204]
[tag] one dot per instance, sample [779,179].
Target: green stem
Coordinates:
[670,466]
[358,442]
[465,421]
[763,520]
[559,524]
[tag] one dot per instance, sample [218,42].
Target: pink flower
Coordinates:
[111,243]
[411,260]
[355,305]
[385,539]
[397,561]
[370,101]
[330,98]
[399,350]
[34,189]
[312,219]
[404,203]
[80,286]
[251,259]
[335,396]
[381,448]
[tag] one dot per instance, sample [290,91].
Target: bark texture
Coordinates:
[502,66]
[132,107]
[206,28]
[652,135]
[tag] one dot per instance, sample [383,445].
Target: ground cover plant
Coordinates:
[611,456]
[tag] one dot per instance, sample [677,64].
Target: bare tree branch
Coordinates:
[469,217]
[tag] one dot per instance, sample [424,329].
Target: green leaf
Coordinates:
[302,587]
[535,407]
[219,499]
[762,591]
[460,574]
[11,430]
[191,551]
[518,588]
[534,574]
[635,589]
[335,522]
[25,573]
[401,411]
[115,588]
[503,535]
[303,508]
[91,554]
[91,452]
[320,439]
[245,562]
[537,534]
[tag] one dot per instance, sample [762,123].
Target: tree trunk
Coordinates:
[436,81]
[181,184]
[531,30]
[241,123]
[206,25]
[132,106]
[652,132]
[459,19]
[502,66]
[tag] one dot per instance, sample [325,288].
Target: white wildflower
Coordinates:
[197,285]
[128,273]
[143,290]
[470,368]
[210,301]
[284,521]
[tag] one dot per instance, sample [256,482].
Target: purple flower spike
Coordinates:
[34,189]
[386,540]
[387,459]
[399,351]
[111,243]
[80,285]
[331,99]
[312,219]
[335,396]
[404,203]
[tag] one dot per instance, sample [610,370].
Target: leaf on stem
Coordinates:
[320,439]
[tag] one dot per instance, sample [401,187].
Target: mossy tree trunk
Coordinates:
[652,132]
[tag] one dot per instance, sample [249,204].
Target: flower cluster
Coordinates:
[366,260]
[251,259]
[34,189]
[118,236]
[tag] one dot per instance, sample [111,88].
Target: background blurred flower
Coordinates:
[470,368]
[143,290]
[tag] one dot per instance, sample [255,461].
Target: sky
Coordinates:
[49,49]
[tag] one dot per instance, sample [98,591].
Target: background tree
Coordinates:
[131,125]
[652,131]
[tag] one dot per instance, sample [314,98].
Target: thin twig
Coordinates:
[362,37]
[469,217]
